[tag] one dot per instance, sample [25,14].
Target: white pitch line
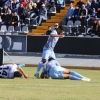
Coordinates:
[22,59]
[83,62]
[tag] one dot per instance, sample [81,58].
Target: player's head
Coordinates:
[17,74]
[51,58]
[60,30]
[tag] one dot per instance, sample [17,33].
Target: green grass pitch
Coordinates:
[50,89]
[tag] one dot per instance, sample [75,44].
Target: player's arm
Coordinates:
[57,35]
[23,73]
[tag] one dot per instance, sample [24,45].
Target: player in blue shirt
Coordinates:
[49,46]
[55,71]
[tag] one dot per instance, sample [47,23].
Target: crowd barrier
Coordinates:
[67,45]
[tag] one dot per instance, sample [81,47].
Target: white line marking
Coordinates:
[83,62]
[21,59]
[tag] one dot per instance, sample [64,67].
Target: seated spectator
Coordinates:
[93,13]
[98,28]
[98,12]
[60,2]
[8,18]
[80,3]
[52,9]
[24,3]
[15,19]
[21,12]
[83,14]
[2,3]
[94,4]
[15,6]
[28,10]
[93,25]
[9,4]
[76,14]
[30,2]
[48,31]
[70,12]
[34,11]
[42,14]
[47,4]
[88,6]
[38,3]
[55,27]
[4,12]
[52,2]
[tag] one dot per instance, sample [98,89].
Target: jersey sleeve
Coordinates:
[54,32]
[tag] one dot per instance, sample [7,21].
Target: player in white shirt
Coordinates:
[49,47]
[10,71]
[55,71]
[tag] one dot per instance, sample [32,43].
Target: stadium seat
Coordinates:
[3,28]
[10,29]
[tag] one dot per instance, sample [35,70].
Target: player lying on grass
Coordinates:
[10,71]
[48,49]
[55,71]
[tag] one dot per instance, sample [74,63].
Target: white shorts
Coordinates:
[47,53]
[56,72]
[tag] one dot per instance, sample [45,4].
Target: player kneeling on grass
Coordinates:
[55,71]
[10,71]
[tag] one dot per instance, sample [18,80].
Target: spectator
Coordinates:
[4,12]
[8,18]
[80,3]
[9,4]
[52,9]
[24,3]
[2,2]
[15,6]
[38,3]
[30,2]
[94,13]
[47,4]
[98,12]
[93,29]
[98,28]
[28,9]
[83,13]
[21,12]
[60,2]
[88,6]
[52,2]
[76,14]
[48,31]
[56,26]
[94,4]
[70,12]
[42,14]
[15,19]
[34,11]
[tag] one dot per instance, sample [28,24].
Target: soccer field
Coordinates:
[50,89]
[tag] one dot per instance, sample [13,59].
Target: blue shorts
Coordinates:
[47,53]
[56,72]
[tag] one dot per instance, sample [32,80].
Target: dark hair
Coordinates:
[51,59]
[62,28]
[17,74]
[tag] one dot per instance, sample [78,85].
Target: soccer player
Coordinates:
[49,46]
[10,71]
[55,71]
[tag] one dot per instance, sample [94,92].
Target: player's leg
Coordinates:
[76,74]
[45,57]
[67,75]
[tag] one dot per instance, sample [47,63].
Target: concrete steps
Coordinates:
[51,22]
